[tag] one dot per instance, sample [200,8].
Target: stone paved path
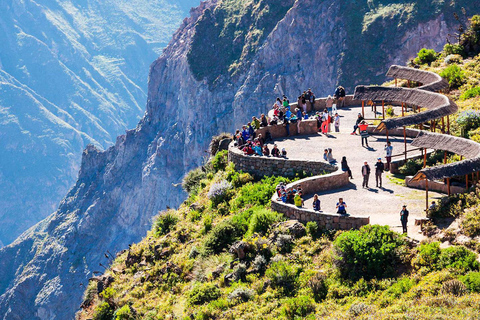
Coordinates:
[383,205]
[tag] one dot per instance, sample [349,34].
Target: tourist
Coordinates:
[330,158]
[325,155]
[365,174]
[290,197]
[284,197]
[245,133]
[251,130]
[379,167]
[340,96]
[284,153]
[316,203]
[263,121]
[265,150]
[286,124]
[404,218]
[299,119]
[258,149]
[325,116]
[336,121]
[255,123]
[248,150]
[433,206]
[388,157]
[285,102]
[305,116]
[298,200]
[329,103]
[278,103]
[275,151]
[303,100]
[319,121]
[359,120]
[364,133]
[346,168]
[341,206]
[260,140]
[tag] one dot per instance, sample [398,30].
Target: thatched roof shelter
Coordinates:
[430,81]
[437,105]
[465,147]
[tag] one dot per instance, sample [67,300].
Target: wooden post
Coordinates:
[403,113]
[426,194]
[383,109]
[395,82]
[466,181]
[425,158]
[448,124]
[443,125]
[408,82]
[387,135]
[405,141]
[363,108]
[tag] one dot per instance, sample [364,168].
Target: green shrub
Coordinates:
[358,309]
[453,58]
[221,236]
[219,192]
[472,281]
[470,93]
[192,179]
[469,120]
[220,161]
[471,222]
[449,49]
[164,223]
[241,295]
[283,276]
[390,112]
[454,75]
[312,229]
[262,219]
[298,307]
[237,179]
[124,313]
[400,287]
[459,258]
[318,285]
[202,293]
[103,312]
[426,56]
[427,256]
[371,252]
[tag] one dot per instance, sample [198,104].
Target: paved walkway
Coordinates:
[383,205]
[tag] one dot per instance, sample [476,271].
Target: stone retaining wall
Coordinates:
[268,166]
[323,219]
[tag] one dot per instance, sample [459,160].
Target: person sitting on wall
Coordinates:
[239,142]
[255,123]
[265,150]
[285,102]
[340,96]
[316,203]
[260,139]
[278,103]
[341,206]
[284,197]
[325,155]
[298,199]
[263,120]
[330,158]
[258,149]
[359,120]
[247,150]
[311,98]
[275,151]
[290,197]
[305,116]
[251,131]
[284,153]
[346,168]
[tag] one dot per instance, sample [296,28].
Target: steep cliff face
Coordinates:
[71,73]
[308,44]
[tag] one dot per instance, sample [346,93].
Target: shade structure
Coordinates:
[430,81]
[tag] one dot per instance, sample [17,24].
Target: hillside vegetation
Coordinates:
[187,268]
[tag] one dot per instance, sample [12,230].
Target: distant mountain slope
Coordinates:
[71,73]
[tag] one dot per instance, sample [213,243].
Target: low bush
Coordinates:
[454,75]
[284,243]
[471,222]
[469,120]
[312,229]
[219,192]
[372,252]
[358,309]
[221,236]
[241,295]
[390,111]
[459,258]
[449,49]
[262,219]
[283,276]
[318,285]
[103,312]
[259,264]
[427,256]
[202,293]
[453,58]
[123,313]
[164,223]
[472,281]
[220,161]
[191,181]
[298,307]
[426,56]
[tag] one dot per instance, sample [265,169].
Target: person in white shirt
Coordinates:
[337,122]
[388,157]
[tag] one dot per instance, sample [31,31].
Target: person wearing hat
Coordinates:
[404,218]
[379,167]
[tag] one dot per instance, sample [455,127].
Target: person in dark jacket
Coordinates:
[359,120]
[404,218]
[316,203]
[340,96]
[346,168]
[379,167]
[365,174]
[275,151]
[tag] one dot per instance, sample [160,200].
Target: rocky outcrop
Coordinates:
[42,273]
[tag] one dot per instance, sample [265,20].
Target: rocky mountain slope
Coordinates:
[71,73]
[273,47]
